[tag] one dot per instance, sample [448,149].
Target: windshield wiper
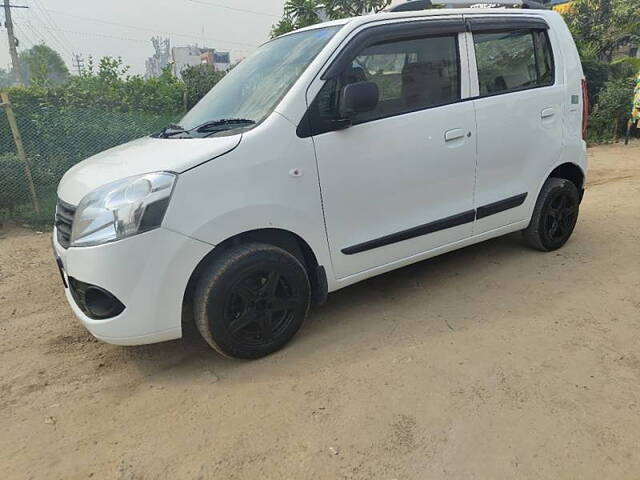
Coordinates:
[171,130]
[208,128]
[223,124]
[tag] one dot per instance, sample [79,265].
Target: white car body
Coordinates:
[338,190]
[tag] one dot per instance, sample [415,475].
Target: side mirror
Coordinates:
[357,98]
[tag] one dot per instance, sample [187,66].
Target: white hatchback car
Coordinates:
[332,154]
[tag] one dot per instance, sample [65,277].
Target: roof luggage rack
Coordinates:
[415,5]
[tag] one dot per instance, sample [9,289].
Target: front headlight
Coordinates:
[122,208]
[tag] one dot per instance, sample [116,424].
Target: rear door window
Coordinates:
[513,60]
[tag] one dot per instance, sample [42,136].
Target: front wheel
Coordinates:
[251,300]
[554,216]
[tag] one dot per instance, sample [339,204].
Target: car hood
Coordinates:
[141,156]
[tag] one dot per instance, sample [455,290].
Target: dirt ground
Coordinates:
[494,362]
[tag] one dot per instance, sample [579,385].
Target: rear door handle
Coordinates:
[453,134]
[547,112]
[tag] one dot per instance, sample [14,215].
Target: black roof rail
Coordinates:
[415,5]
[411,6]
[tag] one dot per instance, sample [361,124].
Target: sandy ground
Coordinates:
[494,362]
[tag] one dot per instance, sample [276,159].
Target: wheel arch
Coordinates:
[569,171]
[285,239]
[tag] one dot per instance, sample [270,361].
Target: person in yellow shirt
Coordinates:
[635,110]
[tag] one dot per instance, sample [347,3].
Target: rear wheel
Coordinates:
[554,216]
[251,300]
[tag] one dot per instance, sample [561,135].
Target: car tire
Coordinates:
[251,300]
[554,216]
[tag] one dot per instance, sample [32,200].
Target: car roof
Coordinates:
[382,16]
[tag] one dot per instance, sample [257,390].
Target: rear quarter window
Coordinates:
[513,60]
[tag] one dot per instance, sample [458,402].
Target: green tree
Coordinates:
[198,80]
[285,25]
[302,13]
[352,8]
[612,110]
[297,14]
[111,69]
[107,85]
[601,27]
[42,66]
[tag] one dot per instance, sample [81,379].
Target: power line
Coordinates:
[59,38]
[39,33]
[22,35]
[36,35]
[127,39]
[243,10]
[134,27]
[100,35]
[53,22]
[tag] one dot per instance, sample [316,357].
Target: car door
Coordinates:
[399,180]
[518,114]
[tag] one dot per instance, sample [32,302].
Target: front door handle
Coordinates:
[547,112]
[453,134]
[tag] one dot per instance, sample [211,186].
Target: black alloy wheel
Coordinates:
[560,217]
[554,216]
[251,300]
[260,306]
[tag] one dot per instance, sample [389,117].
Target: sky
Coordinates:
[123,28]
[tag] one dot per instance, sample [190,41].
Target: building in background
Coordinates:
[160,59]
[220,60]
[183,57]
[190,56]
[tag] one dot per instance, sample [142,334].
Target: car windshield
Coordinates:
[253,89]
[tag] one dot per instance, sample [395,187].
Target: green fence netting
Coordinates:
[55,138]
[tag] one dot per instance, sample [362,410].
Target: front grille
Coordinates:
[64,222]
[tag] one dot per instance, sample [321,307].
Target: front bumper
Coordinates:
[148,273]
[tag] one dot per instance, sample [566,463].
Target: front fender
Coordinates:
[269,181]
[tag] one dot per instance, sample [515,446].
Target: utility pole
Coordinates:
[78,63]
[6,104]
[12,40]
